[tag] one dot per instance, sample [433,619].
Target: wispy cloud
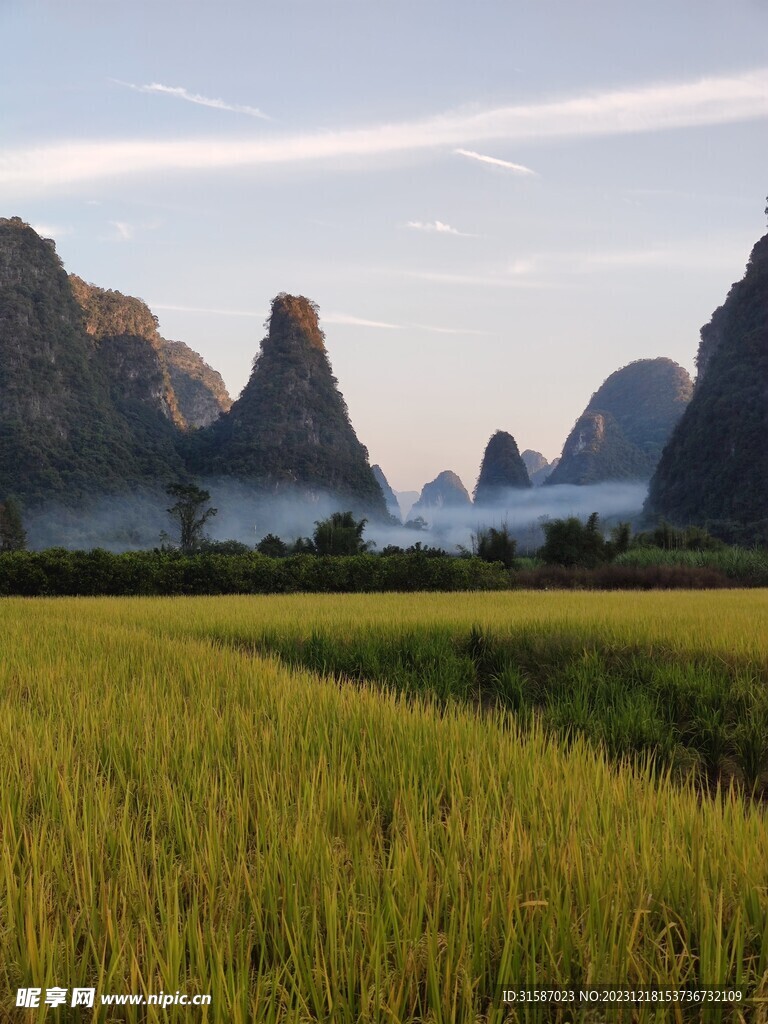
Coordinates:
[335,319]
[346,320]
[436,227]
[213,311]
[51,230]
[180,93]
[495,161]
[125,231]
[706,101]
[563,269]
[449,330]
[492,278]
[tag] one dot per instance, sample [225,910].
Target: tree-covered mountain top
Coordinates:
[756,276]
[26,258]
[109,313]
[63,433]
[290,427]
[195,393]
[597,449]
[714,471]
[446,490]
[294,322]
[187,368]
[502,467]
[646,398]
[534,461]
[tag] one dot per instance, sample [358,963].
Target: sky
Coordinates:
[494,204]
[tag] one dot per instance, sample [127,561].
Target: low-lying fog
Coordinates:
[245,514]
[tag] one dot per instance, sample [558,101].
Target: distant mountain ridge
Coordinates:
[623,430]
[538,467]
[445,491]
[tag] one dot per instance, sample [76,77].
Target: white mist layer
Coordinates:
[246,514]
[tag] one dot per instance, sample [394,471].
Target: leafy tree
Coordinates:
[670,538]
[496,545]
[13,536]
[570,542]
[302,546]
[189,513]
[223,547]
[272,546]
[340,534]
[419,523]
[621,537]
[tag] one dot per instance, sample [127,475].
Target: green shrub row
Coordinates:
[59,572]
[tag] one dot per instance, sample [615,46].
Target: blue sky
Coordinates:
[495,205]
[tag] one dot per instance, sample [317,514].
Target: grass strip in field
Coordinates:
[686,685]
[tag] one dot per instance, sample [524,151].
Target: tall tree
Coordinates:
[13,536]
[190,513]
[340,534]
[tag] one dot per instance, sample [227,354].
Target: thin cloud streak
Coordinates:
[336,319]
[172,308]
[560,270]
[51,230]
[493,279]
[180,93]
[707,101]
[124,231]
[495,161]
[435,227]
[346,320]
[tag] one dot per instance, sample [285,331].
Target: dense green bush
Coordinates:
[59,572]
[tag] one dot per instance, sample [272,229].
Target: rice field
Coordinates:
[186,806]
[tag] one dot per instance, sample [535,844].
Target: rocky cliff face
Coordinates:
[62,435]
[94,402]
[538,467]
[389,495]
[125,336]
[714,470]
[621,434]
[502,469]
[445,491]
[597,450]
[166,375]
[200,392]
[290,428]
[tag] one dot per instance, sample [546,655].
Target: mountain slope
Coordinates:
[61,435]
[389,495]
[502,468]
[714,470]
[183,388]
[623,430]
[290,427]
[445,491]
